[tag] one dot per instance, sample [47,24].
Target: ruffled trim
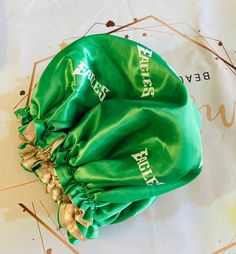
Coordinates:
[24,115]
[38,160]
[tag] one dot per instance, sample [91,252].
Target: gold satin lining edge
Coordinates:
[69,214]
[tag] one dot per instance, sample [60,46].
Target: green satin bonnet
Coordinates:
[109,128]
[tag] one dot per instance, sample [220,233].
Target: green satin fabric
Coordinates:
[138,103]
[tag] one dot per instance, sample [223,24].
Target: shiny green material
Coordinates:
[131,131]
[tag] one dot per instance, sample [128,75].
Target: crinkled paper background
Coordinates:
[199,218]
